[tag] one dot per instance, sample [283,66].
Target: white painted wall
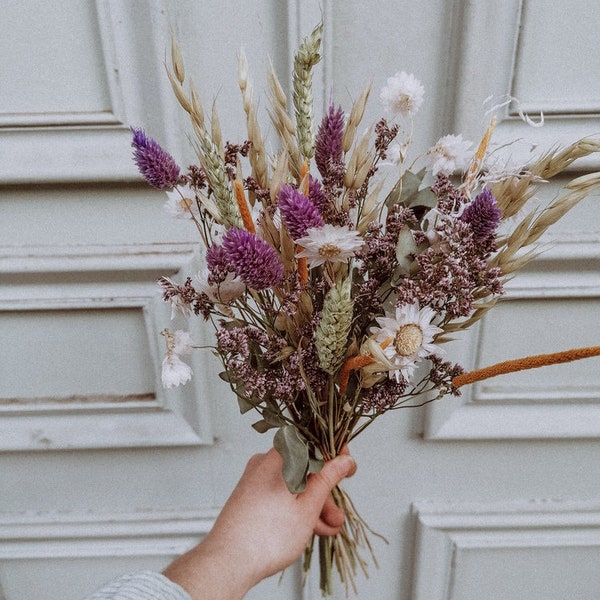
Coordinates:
[495,495]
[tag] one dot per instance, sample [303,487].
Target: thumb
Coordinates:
[319,485]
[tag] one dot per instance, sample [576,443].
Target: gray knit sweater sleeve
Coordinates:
[146,585]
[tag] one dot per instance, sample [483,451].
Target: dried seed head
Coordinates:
[331,336]
[305,59]
[177,61]
[354,119]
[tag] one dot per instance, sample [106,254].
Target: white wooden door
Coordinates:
[495,495]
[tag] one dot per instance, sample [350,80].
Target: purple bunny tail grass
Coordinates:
[328,142]
[255,262]
[298,212]
[156,165]
[483,215]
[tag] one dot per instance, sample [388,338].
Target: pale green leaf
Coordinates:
[294,451]
[405,250]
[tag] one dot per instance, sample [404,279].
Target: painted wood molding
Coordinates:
[529,539]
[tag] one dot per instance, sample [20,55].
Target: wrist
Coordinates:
[212,571]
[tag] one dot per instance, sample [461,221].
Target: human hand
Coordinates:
[262,529]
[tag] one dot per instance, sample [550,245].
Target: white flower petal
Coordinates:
[182,342]
[386,335]
[174,371]
[402,94]
[180,202]
[329,243]
[179,307]
[451,153]
[227,291]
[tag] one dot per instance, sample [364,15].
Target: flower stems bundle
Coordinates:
[331,289]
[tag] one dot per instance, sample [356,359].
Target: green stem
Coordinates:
[331,421]
[325,579]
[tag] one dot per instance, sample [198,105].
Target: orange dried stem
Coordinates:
[304,179]
[302,266]
[521,364]
[240,197]
[355,362]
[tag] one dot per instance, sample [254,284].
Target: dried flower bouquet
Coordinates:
[332,295]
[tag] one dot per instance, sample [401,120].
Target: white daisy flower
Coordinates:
[180,202]
[451,153]
[403,94]
[407,338]
[174,370]
[330,243]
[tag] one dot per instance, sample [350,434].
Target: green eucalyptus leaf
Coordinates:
[294,451]
[410,185]
[412,196]
[270,420]
[393,196]
[424,197]
[273,417]
[407,191]
[262,426]
[228,376]
[244,404]
[405,250]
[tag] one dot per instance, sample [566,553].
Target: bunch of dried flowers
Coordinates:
[331,298]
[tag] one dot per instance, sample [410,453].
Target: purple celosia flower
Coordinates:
[255,262]
[157,166]
[298,212]
[483,215]
[316,193]
[218,263]
[328,142]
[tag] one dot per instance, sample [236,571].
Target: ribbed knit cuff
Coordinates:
[146,585]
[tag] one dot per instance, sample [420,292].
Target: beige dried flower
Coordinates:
[283,124]
[197,110]
[177,61]
[360,163]
[257,154]
[356,114]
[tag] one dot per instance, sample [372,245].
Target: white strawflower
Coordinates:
[182,342]
[407,338]
[174,370]
[403,94]
[329,243]
[228,290]
[181,202]
[394,154]
[451,153]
